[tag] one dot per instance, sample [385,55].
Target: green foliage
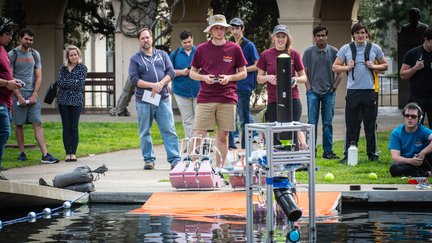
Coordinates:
[259,17]
[83,17]
[385,17]
[345,174]
[13,9]
[95,138]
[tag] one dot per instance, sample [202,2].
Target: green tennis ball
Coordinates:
[372,176]
[329,177]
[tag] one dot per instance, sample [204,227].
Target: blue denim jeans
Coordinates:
[326,103]
[165,119]
[5,128]
[244,114]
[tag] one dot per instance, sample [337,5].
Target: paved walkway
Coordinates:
[126,172]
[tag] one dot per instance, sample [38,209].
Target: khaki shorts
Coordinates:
[208,115]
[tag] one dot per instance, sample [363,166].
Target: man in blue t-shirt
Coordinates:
[247,85]
[26,108]
[410,145]
[360,96]
[185,89]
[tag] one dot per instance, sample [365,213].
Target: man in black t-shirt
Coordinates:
[417,68]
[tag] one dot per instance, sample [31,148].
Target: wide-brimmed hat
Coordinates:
[217,19]
[236,22]
[280,29]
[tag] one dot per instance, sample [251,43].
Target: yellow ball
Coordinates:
[329,177]
[372,176]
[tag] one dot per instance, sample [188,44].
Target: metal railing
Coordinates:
[388,91]
[99,92]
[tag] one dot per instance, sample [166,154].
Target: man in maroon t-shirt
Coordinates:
[7,84]
[218,64]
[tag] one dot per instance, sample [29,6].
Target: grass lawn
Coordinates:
[345,174]
[96,138]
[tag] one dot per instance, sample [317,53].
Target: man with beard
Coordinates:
[26,107]
[150,71]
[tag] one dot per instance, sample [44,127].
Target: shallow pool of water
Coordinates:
[113,223]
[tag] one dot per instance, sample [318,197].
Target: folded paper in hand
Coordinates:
[154,100]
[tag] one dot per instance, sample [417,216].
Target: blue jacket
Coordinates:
[183,85]
[150,69]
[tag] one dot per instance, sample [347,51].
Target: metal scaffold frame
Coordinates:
[275,160]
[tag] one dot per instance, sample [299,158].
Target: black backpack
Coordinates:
[366,55]
[16,57]
[174,56]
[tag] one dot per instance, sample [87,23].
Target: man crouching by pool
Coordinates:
[410,145]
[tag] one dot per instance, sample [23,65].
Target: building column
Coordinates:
[48,28]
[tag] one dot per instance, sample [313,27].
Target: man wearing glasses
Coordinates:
[7,85]
[321,87]
[360,96]
[410,145]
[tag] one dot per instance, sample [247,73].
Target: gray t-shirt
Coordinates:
[319,67]
[24,65]
[362,75]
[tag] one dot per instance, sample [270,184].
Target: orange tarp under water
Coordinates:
[200,205]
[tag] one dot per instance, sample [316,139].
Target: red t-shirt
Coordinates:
[5,73]
[267,62]
[218,60]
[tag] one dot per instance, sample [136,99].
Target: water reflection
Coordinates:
[112,223]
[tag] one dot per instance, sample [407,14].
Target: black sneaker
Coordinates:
[330,155]
[149,165]
[22,156]
[231,147]
[124,113]
[373,158]
[49,159]
[173,165]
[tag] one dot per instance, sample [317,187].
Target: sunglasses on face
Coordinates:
[408,116]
